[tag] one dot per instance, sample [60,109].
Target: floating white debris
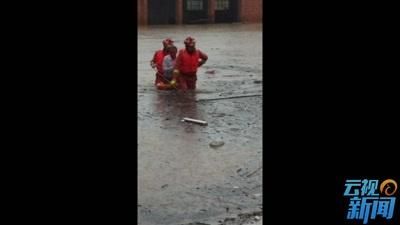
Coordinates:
[201,122]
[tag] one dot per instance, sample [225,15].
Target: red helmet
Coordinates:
[189,41]
[168,41]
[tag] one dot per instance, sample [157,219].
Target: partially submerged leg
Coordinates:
[191,83]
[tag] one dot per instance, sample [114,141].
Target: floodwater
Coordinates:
[181,178]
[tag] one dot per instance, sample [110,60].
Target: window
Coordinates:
[194,5]
[222,4]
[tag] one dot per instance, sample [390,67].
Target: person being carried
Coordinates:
[187,63]
[168,66]
[157,61]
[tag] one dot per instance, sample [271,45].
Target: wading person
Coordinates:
[188,61]
[157,61]
[168,66]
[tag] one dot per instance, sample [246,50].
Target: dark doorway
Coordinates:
[161,12]
[195,11]
[227,11]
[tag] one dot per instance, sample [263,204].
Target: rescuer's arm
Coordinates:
[175,72]
[203,58]
[153,61]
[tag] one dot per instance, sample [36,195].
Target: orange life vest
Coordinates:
[188,63]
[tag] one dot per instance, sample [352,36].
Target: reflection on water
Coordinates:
[171,107]
[176,104]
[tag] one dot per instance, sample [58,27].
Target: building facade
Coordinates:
[152,12]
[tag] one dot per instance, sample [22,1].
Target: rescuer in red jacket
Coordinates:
[157,62]
[187,62]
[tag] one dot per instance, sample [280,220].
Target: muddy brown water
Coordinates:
[181,179]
